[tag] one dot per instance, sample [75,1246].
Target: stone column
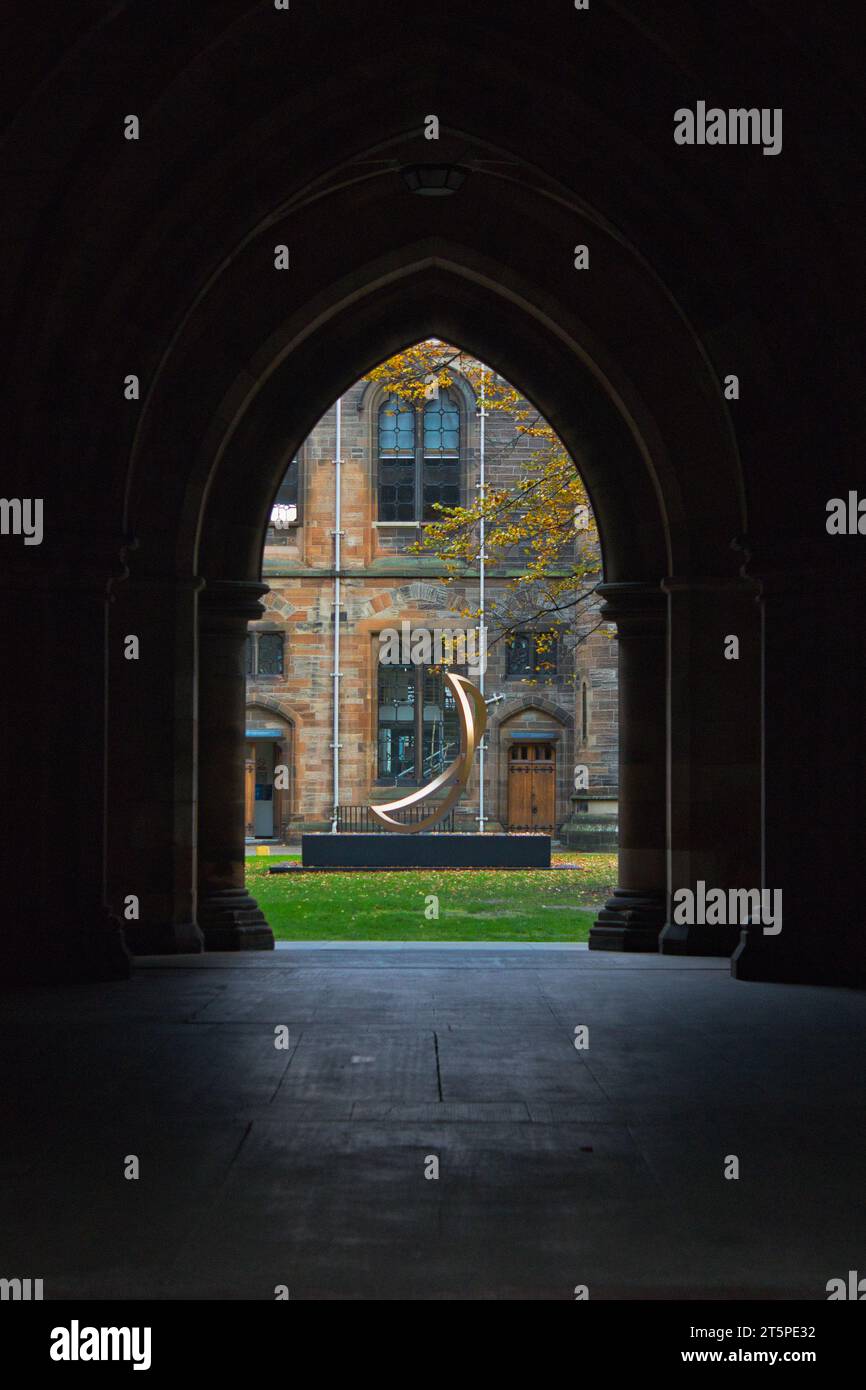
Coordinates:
[632,919]
[153,748]
[230,919]
[714,722]
[813,769]
[57,924]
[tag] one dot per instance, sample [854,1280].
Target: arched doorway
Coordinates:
[535,750]
[625,469]
[235,361]
[269,773]
[638,422]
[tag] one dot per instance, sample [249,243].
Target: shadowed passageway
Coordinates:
[215,222]
[558,1167]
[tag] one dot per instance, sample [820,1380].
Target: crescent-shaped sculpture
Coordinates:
[472,714]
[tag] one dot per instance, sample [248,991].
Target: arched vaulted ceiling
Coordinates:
[261,126]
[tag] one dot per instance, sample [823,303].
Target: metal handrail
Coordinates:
[428,762]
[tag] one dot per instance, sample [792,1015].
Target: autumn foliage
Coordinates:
[540,540]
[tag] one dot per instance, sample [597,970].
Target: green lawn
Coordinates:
[474,904]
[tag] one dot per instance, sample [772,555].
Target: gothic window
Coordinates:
[419,458]
[527,655]
[584,712]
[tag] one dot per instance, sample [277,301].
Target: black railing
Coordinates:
[358,820]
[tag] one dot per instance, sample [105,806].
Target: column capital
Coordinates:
[232,601]
[173,583]
[85,562]
[790,565]
[709,584]
[638,609]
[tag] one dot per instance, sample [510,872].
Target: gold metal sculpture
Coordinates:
[472,714]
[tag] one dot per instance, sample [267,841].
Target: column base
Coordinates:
[679,939]
[233,921]
[165,939]
[815,961]
[629,921]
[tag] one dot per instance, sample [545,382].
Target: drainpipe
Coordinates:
[482,635]
[336,674]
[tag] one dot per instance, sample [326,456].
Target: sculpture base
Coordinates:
[430,851]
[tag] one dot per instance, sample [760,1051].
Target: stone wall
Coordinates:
[382,586]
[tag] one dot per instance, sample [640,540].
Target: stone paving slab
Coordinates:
[305,1165]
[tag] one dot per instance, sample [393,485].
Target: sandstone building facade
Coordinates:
[552,710]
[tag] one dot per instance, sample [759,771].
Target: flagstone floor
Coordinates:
[307,1165]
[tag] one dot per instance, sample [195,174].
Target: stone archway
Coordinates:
[647,530]
[235,365]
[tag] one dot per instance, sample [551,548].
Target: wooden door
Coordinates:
[532,786]
[544,788]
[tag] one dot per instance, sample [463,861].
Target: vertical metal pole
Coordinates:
[482,632]
[336,673]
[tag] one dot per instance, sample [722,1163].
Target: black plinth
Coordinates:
[425,851]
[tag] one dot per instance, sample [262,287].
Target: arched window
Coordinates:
[584,712]
[419,458]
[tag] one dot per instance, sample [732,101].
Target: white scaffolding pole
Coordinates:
[482,631]
[336,673]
